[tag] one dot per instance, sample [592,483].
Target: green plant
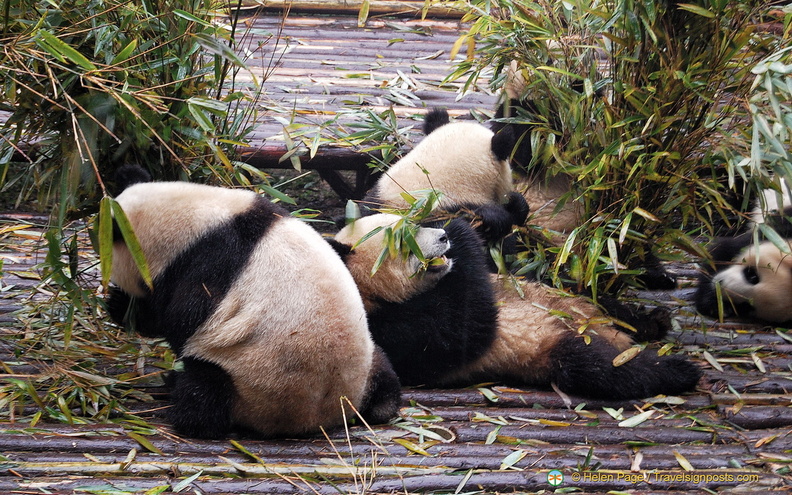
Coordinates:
[629,99]
[90,85]
[93,84]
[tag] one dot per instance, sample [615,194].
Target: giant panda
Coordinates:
[267,320]
[468,164]
[750,278]
[448,321]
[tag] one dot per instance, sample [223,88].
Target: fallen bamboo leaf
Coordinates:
[637,419]
[635,465]
[765,441]
[626,356]
[411,446]
[144,442]
[488,394]
[615,413]
[758,362]
[550,422]
[712,361]
[185,483]
[683,462]
[510,460]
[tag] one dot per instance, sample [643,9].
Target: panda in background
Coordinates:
[449,322]
[466,162]
[755,279]
[264,315]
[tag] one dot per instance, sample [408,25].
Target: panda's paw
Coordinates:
[518,207]
[676,375]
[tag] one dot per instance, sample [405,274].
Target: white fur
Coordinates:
[292,333]
[771,298]
[167,217]
[459,160]
[398,278]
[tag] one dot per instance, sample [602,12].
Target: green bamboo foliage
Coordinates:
[632,99]
[95,84]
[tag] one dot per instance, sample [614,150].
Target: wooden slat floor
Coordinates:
[732,434]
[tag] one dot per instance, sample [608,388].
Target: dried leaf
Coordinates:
[712,361]
[683,462]
[411,446]
[626,356]
[510,460]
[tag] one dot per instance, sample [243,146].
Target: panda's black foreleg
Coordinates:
[495,221]
[587,370]
[201,400]
[383,392]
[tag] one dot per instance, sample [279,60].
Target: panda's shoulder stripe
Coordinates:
[190,288]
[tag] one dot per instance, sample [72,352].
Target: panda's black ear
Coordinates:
[342,249]
[130,174]
[502,143]
[437,117]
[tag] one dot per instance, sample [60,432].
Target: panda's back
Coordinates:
[458,161]
[241,284]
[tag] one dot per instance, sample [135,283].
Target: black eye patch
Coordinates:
[751,275]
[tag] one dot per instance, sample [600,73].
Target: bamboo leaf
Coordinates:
[64,50]
[683,462]
[132,243]
[510,460]
[105,239]
[144,442]
[637,419]
[626,356]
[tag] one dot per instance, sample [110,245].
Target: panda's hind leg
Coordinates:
[383,392]
[202,399]
[587,370]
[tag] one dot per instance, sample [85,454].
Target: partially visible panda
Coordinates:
[264,315]
[466,162]
[549,197]
[754,279]
[448,321]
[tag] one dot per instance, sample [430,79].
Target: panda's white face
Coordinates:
[761,277]
[398,278]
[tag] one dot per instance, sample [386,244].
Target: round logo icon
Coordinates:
[555,477]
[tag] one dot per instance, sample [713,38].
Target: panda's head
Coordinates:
[400,276]
[760,277]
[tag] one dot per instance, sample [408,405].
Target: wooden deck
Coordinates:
[733,434]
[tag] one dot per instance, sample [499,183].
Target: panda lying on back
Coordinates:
[452,322]
[754,279]
[263,313]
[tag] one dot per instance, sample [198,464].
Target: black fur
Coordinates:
[650,326]
[383,394]
[189,289]
[128,175]
[502,143]
[494,221]
[587,370]
[436,117]
[452,324]
[202,398]
[722,251]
